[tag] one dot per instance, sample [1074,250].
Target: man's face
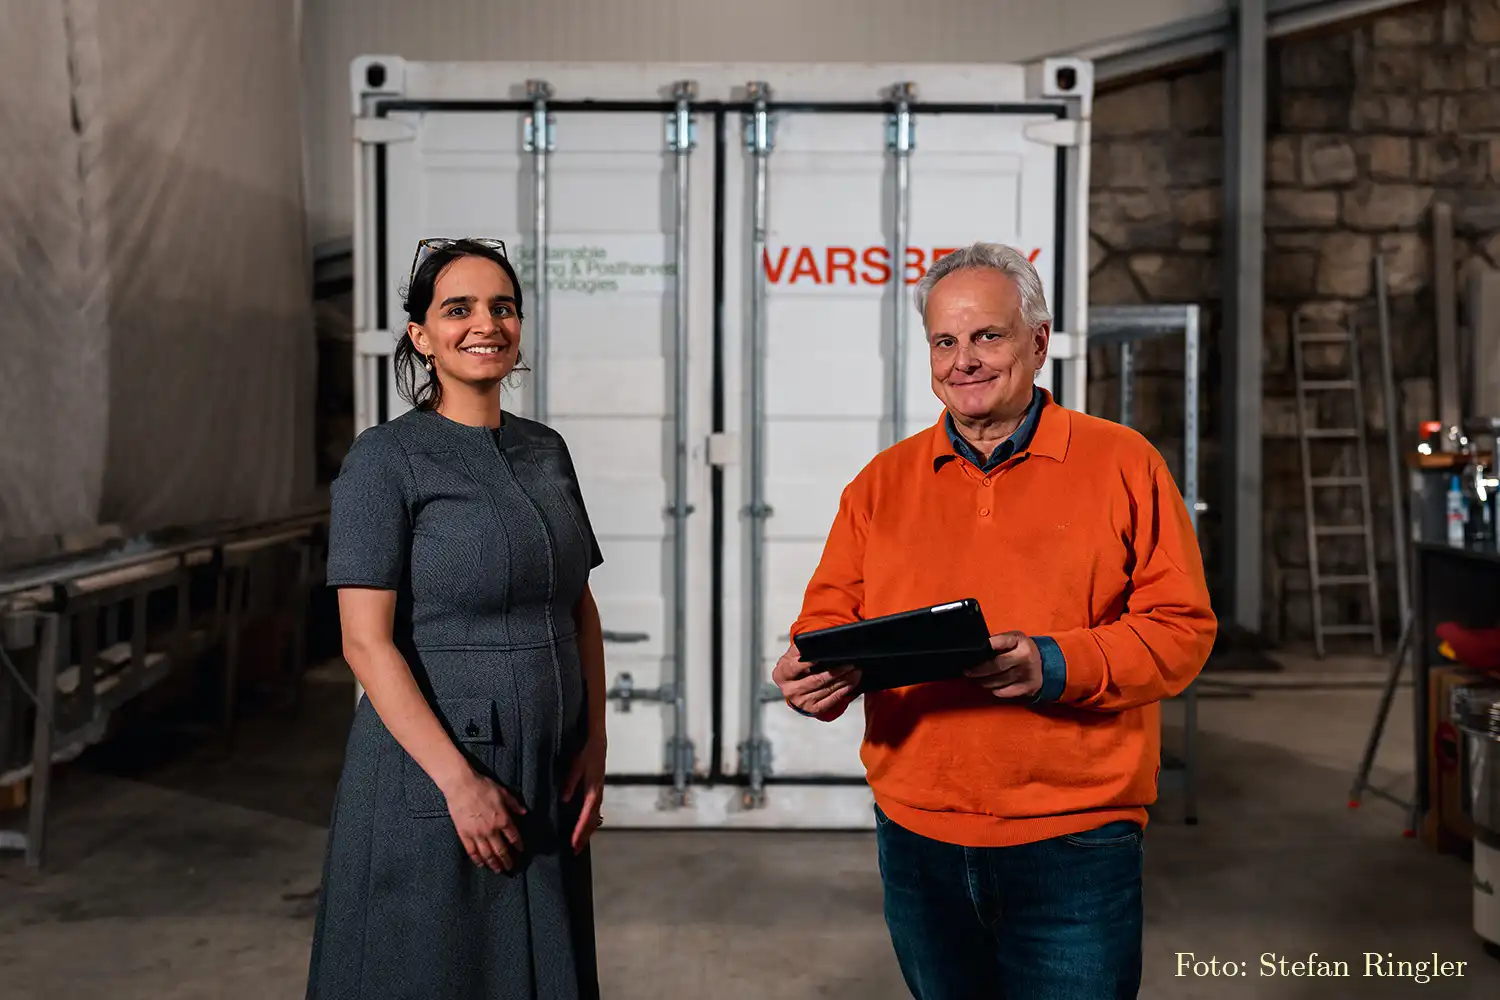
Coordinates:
[984,359]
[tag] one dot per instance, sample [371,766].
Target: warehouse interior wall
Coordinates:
[700,31]
[1369,125]
[158,365]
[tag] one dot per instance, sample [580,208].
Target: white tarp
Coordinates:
[54,355]
[156,346]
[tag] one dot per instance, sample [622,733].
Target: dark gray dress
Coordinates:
[485,538]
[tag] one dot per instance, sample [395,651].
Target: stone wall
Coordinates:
[1369,126]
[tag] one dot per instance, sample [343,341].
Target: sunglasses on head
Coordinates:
[425,249]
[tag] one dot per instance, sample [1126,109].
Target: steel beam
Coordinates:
[1243,327]
[1196,38]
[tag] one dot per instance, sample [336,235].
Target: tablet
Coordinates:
[938,642]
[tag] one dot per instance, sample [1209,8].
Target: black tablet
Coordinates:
[909,647]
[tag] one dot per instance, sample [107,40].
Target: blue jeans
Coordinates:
[1060,919]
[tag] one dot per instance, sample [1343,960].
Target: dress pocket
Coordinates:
[471,724]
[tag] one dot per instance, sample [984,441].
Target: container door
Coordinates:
[825,364]
[604,345]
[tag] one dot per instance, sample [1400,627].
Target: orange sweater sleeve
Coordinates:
[835,594]
[1161,641]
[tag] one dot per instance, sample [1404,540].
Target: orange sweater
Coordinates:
[1081,537]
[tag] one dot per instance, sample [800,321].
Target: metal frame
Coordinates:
[755,751]
[1244,334]
[1122,326]
[76,691]
[1200,37]
[681,142]
[900,140]
[540,141]
[1399,536]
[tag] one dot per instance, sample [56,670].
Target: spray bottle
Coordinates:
[1457,515]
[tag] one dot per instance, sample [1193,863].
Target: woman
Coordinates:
[457,861]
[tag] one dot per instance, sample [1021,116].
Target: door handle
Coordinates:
[611,636]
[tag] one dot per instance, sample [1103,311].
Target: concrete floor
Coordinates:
[175,874]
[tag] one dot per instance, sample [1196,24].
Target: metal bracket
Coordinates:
[382,131]
[674,511]
[755,756]
[751,133]
[1058,132]
[625,692]
[679,751]
[539,92]
[760,124]
[900,127]
[900,132]
[529,143]
[759,511]
[674,128]
[682,128]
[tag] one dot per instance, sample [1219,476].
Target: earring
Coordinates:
[429,363]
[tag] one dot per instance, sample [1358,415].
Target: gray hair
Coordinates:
[997,256]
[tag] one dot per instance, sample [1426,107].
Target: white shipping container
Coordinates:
[715,407]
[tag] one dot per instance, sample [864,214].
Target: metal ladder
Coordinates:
[1314,482]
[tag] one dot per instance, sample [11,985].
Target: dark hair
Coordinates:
[414,382]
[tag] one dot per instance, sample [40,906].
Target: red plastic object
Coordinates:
[1478,648]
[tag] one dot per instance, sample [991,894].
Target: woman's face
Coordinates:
[472,332]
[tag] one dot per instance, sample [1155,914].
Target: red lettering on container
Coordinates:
[841,259]
[918,263]
[836,265]
[774,274]
[878,261]
[806,266]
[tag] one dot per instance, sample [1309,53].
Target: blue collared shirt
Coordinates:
[1054,667]
[1005,449]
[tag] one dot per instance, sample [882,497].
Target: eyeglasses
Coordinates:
[426,248]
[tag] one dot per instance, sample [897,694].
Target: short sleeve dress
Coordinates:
[485,538]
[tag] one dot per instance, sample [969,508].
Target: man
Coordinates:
[1011,802]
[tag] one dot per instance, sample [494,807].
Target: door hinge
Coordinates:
[680,748]
[755,756]
[674,128]
[382,131]
[1057,132]
[680,119]
[760,123]
[900,126]
[529,141]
